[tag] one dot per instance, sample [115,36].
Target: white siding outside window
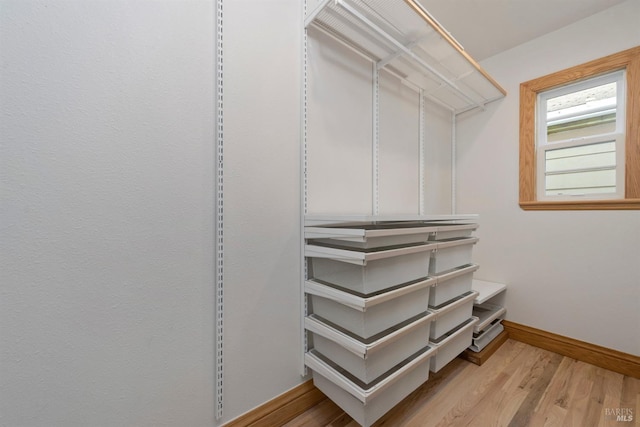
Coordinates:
[580,140]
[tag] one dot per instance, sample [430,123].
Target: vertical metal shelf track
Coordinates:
[376,141]
[219,213]
[454,207]
[421,142]
[303,192]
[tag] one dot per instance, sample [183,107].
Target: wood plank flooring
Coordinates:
[520,385]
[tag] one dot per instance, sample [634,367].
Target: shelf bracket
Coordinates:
[312,16]
[385,61]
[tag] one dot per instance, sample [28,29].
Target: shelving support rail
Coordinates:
[393,34]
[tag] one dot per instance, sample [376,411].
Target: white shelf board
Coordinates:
[326,219]
[363,303]
[486,314]
[486,290]
[481,341]
[359,257]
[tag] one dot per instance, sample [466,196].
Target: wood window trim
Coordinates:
[629,60]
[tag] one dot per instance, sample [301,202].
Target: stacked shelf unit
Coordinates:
[388,299]
[489,308]
[387,302]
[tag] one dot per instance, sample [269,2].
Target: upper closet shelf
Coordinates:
[401,37]
[320,220]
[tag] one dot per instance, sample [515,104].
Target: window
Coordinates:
[580,138]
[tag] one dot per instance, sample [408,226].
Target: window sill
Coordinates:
[573,205]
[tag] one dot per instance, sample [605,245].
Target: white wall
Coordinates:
[399,148]
[340,138]
[106,164]
[340,129]
[262,348]
[572,273]
[107,301]
[437,160]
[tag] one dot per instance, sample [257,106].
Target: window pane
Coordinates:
[582,169]
[600,181]
[582,113]
[601,147]
[592,156]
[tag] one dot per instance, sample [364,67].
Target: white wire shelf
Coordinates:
[400,36]
[328,219]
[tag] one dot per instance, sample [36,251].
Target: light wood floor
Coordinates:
[520,385]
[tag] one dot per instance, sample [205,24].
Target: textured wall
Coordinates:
[262,201]
[106,220]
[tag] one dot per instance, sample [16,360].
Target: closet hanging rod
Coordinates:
[420,10]
[412,85]
[469,108]
[389,70]
[402,47]
[355,49]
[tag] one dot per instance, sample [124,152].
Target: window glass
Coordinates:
[583,113]
[579,139]
[585,169]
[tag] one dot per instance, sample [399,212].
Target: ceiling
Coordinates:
[487,27]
